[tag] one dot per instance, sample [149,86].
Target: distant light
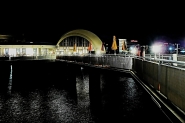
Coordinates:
[133,50]
[134,41]
[98,53]
[156,48]
[170,48]
[31,42]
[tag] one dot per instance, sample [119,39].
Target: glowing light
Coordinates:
[156,48]
[97,52]
[29,51]
[12,52]
[133,50]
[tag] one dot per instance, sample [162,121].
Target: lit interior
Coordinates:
[29,51]
[12,52]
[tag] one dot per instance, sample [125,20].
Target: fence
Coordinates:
[28,57]
[118,61]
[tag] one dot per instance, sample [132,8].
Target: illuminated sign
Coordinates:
[134,41]
[121,43]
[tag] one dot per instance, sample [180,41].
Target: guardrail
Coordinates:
[119,60]
[27,57]
[106,60]
[166,59]
[160,56]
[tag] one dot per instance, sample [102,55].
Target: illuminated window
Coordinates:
[29,51]
[12,52]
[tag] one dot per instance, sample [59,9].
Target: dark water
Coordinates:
[122,100]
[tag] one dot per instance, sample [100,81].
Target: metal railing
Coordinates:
[166,60]
[104,60]
[122,60]
[34,57]
[160,56]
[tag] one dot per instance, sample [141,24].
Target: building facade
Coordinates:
[8,48]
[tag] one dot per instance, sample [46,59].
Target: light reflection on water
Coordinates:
[82,86]
[59,108]
[132,95]
[52,106]
[122,101]
[56,107]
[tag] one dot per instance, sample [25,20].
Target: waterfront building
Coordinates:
[11,47]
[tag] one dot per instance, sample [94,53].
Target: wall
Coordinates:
[169,80]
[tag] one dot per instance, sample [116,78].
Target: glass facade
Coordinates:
[13,52]
[34,51]
[70,41]
[67,46]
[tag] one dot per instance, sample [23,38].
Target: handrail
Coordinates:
[169,62]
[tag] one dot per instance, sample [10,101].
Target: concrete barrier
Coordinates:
[169,80]
[176,86]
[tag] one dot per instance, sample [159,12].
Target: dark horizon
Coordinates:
[142,23]
[105,36]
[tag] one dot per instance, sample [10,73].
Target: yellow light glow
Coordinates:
[97,52]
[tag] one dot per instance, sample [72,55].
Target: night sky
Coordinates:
[144,22]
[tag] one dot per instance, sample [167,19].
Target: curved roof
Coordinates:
[91,37]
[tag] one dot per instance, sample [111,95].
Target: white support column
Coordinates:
[39,51]
[175,59]
[2,52]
